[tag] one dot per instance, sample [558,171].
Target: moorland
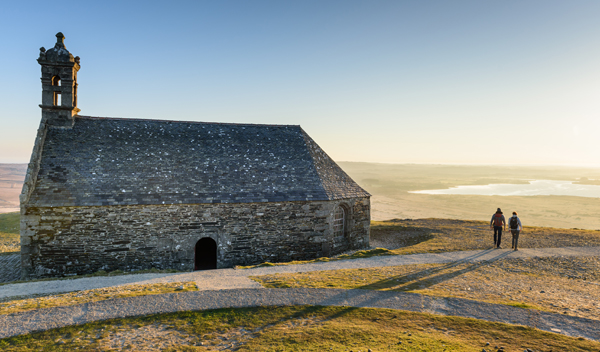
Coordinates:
[559,285]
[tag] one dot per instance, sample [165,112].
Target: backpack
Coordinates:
[514,223]
[498,219]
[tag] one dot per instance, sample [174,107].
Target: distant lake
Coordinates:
[534,188]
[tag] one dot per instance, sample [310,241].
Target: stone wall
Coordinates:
[62,241]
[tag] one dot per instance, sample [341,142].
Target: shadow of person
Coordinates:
[428,277]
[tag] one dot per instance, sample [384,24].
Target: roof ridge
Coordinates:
[181,121]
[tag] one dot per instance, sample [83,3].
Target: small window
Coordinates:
[56,81]
[57,99]
[339,221]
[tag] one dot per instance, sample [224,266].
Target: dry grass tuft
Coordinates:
[22,304]
[9,243]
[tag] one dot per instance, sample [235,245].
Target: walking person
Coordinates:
[515,229]
[497,222]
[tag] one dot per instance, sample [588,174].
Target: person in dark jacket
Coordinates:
[497,222]
[515,229]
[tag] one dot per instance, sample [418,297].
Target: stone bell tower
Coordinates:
[59,84]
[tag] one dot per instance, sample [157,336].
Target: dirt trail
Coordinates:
[221,279]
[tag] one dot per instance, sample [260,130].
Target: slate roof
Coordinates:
[110,161]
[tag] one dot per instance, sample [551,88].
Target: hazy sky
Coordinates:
[491,82]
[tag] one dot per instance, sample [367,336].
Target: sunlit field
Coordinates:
[390,183]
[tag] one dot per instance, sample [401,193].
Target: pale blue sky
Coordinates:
[482,82]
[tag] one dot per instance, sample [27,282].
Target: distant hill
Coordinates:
[11,182]
[390,185]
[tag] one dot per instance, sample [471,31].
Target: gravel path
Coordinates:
[231,278]
[233,288]
[43,319]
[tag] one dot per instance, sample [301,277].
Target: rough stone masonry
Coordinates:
[126,194]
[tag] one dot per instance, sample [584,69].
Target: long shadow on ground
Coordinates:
[44,319]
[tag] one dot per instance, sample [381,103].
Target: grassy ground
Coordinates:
[445,235]
[296,329]
[17,304]
[9,233]
[559,285]
[9,223]
[9,243]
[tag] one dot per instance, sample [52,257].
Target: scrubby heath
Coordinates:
[445,235]
[22,304]
[298,328]
[9,233]
[389,185]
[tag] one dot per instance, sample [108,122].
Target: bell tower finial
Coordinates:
[60,40]
[59,84]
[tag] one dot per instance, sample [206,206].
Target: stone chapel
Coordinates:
[128,194]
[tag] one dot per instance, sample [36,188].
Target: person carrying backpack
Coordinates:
[515,229]
[497,222]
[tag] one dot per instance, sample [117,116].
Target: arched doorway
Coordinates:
[205,254]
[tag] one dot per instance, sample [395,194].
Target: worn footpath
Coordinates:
[233,288]
[235,278]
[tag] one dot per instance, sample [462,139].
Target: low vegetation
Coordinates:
[560,285]
[19,304]
[9,233]
[10,223]
[299,328]
[9,243]
[446,235]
